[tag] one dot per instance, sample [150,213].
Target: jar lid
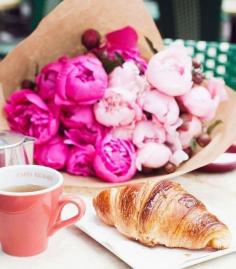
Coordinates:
[10,139]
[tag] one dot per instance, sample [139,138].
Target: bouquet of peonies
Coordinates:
[110,113]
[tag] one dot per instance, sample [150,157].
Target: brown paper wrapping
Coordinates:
[59,34]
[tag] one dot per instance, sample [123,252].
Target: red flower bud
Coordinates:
[188,151]
[203,140]
[147,170]
[27,84]
[196,64]
[91,39]
[170,168]
[198,78]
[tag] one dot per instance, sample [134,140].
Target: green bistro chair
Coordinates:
[38,9]
[218,59]
[189,19]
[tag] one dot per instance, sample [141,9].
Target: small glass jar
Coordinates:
[15,149]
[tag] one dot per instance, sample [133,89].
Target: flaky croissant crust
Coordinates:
[161,213]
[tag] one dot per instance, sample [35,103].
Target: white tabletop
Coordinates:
[72,249]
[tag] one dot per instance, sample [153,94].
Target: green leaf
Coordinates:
[213,126]
[36,69]
[119,58]
[193,144]
[151,46]
[110,64]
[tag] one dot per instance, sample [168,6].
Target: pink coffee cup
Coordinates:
[27,219]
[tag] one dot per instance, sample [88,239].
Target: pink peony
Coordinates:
[117,108]
[80,161]
[191,127]
[170,71]
[28,114]
[52,154]
[203,102]
[128,77]
[147,131]
[76,116]
[163,107]
[124,41]
[152,155]
[82,80]
[46,79]
[115,160]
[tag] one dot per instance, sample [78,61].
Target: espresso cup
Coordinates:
[31,203]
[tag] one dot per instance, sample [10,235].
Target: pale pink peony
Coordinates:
[46,79]
[115,160]
[216,87]
[178,157]
[172,127]
[192,127]
[147,131]
[82,80]
[80,161]
[170,71]
[172,135]
[52,154]
[124,132]
[76,116]
[117,108]
[128,76]
[163,107]
[152,155]
[28,114]
[202,102]
[173,141]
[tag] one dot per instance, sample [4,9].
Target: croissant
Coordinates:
[161,213]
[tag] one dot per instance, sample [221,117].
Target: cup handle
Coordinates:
[58,223]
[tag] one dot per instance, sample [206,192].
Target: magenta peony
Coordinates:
[82,80]
[115,160]
[170,71]
[124,41]
[46,79]
[85,135]
[52,154]
[28,114]
[76,116]
[80,161]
